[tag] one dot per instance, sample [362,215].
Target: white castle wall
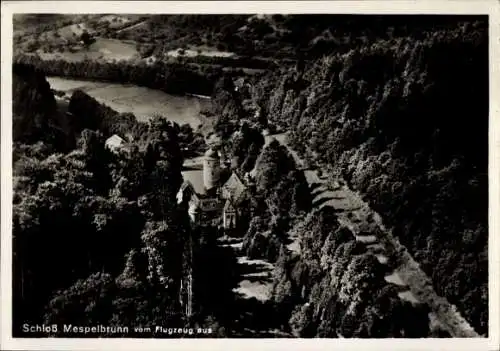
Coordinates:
[211,172]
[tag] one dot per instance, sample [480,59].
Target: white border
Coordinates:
[220,7]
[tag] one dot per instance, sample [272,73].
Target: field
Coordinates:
[117,37]
[59,37]
[140,101]
[102,49]
[113,49]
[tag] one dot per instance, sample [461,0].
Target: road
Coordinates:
[130,27]
[252,306]
[254,288]
[413,284]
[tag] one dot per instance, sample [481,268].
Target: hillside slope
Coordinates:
[35,115]
[405,122]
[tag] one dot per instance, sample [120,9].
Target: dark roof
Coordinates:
[235,187]
[207,205]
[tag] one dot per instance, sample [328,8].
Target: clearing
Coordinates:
[102,49]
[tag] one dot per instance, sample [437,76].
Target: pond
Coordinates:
[141,101]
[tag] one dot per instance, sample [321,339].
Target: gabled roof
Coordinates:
[235,187]
[187,190]
[187,186]
[114,141]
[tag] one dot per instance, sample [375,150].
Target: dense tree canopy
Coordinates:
[282,197]
[174,78]
[392,116]
[34,111]
[110,217]
[374,100]
[334,288]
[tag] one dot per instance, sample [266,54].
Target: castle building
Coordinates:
[211,169]
[213,197]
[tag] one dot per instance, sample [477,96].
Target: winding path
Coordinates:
[354,213]
[253,307]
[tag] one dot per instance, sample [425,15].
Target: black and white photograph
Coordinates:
[254,175]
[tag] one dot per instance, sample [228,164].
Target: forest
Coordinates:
[113,220]
[258,44]
[337,289]
[277,36]
[98,237]
[173,78]
[407,127]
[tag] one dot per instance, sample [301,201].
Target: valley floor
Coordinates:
[252,304]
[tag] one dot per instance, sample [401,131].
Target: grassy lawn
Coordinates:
[102,49]
[70,32]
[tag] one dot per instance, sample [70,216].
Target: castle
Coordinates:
[214,196]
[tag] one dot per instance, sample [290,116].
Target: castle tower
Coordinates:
[211,169]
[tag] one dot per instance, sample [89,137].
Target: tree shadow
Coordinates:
[254,268]
[324,200]
[261,279]
[255,319]
[375,248]
[314,186]
[243,316]
[191,168]
[351,214]
[318,191]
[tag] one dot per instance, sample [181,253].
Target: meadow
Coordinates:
[103,49]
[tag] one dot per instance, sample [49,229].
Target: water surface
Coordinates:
[141,101]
